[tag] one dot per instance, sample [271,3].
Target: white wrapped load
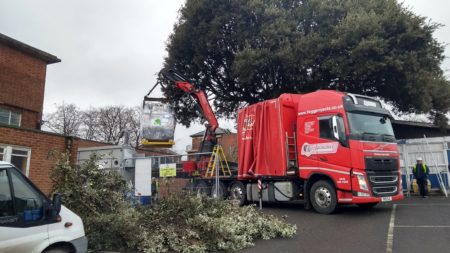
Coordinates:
[157,122]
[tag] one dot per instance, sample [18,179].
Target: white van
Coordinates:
[32,223]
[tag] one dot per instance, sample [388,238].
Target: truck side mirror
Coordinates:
[335,127]
[56,203]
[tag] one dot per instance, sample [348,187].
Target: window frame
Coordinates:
[340,124]
[329,118]
[8,153]
[15,221]
[10,113]
[2,153]
[11,194]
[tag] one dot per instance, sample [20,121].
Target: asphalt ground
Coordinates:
[411,225]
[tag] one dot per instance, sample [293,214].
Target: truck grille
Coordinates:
[383,176]
[384,190]
[383,179]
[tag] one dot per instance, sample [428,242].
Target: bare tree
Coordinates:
[111,121]
[65,120]
[89,128]
[134,125]
[103,124]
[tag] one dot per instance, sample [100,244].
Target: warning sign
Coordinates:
[168,170]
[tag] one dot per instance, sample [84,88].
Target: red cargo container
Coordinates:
[262,129]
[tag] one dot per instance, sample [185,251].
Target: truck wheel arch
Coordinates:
[314,177]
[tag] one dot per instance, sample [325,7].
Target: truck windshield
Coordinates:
[361,123]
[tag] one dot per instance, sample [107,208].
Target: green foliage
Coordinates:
[97,196]
[191,224]
[181,223]
[242,52]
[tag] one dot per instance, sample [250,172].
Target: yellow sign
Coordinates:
[168,170]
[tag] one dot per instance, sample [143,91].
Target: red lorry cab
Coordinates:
[344,139]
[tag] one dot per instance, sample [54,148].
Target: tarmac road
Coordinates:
[413,225]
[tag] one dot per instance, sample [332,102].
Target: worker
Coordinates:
[421,171]
[155,189]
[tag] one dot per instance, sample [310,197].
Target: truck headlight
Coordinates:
[362,182]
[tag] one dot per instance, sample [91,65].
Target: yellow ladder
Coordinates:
[217,159]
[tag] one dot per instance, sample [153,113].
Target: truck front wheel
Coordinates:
[323,197]
[238,192]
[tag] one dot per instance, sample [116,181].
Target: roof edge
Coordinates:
[27,49]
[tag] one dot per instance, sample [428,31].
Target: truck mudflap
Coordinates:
[348,198]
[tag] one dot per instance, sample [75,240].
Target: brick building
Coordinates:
[225,137]
[22,85]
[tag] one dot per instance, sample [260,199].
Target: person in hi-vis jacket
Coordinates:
[421,172]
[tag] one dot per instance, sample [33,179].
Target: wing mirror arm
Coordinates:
[56,203]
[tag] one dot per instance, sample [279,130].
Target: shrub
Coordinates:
[181,223]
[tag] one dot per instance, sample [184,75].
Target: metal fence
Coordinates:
[434,152]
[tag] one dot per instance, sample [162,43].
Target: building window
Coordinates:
[18,156]
[9,117]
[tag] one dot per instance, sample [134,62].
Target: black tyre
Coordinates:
[59,250]
[323,197]
[367,205]
[222,190]
[202,189]
[238,192]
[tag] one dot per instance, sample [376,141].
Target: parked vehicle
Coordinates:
[32,223]
[324,148]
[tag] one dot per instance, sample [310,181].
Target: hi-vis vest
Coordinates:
[156,184]
[424,167]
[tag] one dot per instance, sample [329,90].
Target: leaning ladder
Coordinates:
[438,173]
[218,159]
[291,151]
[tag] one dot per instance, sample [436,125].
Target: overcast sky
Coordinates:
[112,49]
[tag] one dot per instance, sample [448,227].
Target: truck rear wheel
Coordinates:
[202,189]
[238,192]
[222,190]
[323,197]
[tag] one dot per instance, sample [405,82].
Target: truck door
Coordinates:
[308,133]
[22,225]
[333,149]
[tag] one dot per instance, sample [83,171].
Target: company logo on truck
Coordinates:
[249,121]
[319,148]
[319,110]
[247,127]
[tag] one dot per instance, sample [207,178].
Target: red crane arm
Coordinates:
[202,100]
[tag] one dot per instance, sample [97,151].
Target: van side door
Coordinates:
[23,227]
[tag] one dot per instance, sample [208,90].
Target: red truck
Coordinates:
[325,148]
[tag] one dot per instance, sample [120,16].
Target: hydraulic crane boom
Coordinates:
[201,99]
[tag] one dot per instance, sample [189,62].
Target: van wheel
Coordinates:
[323,197]
[59,250]
[202,189]
[238,192]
